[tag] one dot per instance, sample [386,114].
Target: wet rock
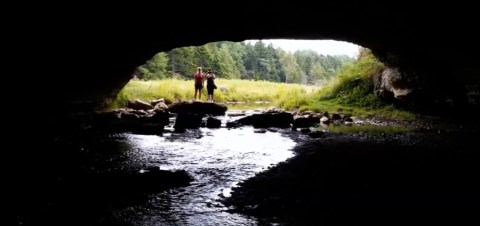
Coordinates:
[188,121]
[179,130]
[155,179]
[213,122]
[138,104]
[305,121]
[233,124]
[265,120]
[316,134]
[234,114]
[305,130]
[199,108]
[325,120]
[157,101]
[336,116]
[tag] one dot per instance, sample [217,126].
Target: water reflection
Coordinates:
[218,159]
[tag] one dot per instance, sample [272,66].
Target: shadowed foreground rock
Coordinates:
[354,180]
[199,108]
[268,119]
[77,180]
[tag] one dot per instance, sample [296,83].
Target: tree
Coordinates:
[293,72]
[317,74]
[155,68]
[182,61]
[223,64]
[237,51]
[250,61]
[245,61]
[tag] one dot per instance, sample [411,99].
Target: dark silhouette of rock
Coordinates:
[305,121]
[233,124]
[213,122]
[188,121]
[201,108]
[316,134]
[129,120]
[265,120]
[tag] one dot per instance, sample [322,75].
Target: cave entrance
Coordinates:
[247,73]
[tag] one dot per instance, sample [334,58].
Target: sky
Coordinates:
[325,47]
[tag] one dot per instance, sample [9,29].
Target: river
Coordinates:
[218,159]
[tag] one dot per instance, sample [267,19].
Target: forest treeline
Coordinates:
[242,60]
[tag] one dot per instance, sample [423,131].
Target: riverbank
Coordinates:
[350,179]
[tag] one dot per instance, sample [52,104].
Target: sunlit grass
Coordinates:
[351,93]
[367,128]
[382,112]
[249,93]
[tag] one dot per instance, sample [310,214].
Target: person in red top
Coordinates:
[199,78]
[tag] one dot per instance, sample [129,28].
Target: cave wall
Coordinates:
[84,54]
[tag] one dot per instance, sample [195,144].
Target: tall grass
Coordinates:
[370,129]
[249,93]
[351,93]
[353,84]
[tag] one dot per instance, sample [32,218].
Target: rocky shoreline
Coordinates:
[351,178]
[345,179]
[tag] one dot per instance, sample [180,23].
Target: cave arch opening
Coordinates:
[305,62]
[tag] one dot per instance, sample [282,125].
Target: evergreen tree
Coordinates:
[155,68]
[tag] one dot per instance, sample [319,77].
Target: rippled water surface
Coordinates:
[218,159]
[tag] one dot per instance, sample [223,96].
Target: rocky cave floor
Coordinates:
[425,176]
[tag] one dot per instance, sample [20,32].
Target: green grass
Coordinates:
[353,84]
[248,92]
[351,93]
[279,95]
[370,129]
[383,112]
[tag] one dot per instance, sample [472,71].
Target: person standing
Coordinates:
[199,79]
[210,84]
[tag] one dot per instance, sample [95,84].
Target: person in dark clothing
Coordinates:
[210,76]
